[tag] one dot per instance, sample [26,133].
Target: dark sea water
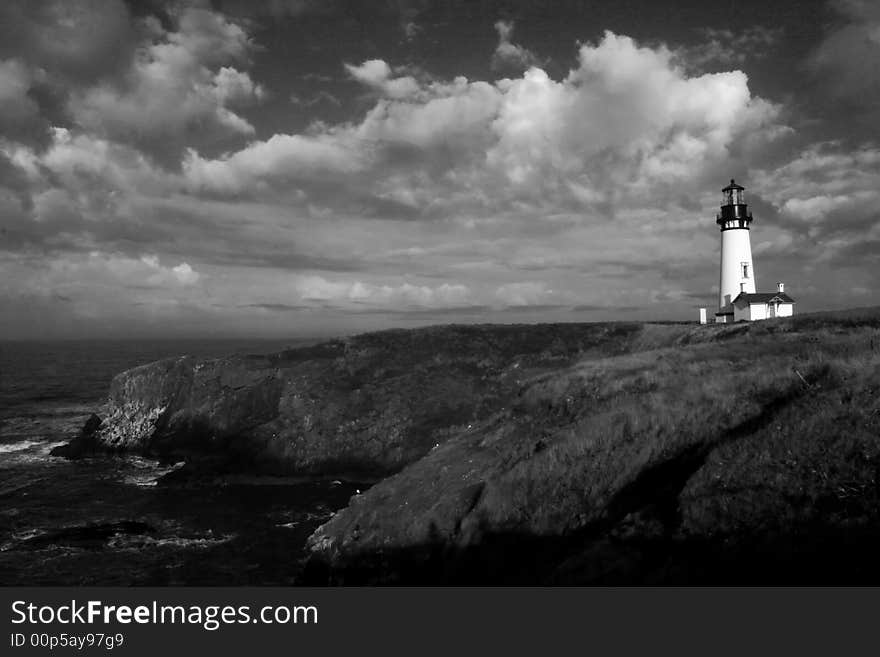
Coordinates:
[105,520]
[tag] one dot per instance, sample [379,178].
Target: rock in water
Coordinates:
[85,444]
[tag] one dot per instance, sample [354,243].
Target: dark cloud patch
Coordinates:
[534,308]
[320,97]
[89,219]
[668,269]
[858,254]
[288,260]
[720,48]
[616,267]
[317,77]
[429,313]
[14,183]
[23,232]
[79,40]
[764,212]
[846,78]
[276,8]
[58,225]
[535,265]
[382,208]
[278,307]
[852,223]
[257,252]
[584,308]
[20,115]
[664,296]
[688,203]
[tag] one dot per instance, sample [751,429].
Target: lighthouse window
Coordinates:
[745,268]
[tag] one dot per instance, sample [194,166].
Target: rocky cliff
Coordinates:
[366,405]
[551,453]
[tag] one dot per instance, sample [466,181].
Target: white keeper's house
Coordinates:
[738,299]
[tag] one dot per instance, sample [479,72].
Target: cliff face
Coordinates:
[369,404]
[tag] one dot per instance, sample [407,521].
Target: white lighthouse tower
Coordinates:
[737,271]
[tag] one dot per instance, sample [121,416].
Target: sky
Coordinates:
[315,167]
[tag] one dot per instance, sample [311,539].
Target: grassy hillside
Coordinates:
[681,454]
[366,405]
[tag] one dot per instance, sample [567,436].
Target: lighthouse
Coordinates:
[737,296]
[737,271]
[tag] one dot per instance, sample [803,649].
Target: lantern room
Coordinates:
[734,211]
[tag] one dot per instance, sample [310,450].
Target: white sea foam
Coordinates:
[147,471]
[28,534]
[7,448]
[306,517]
[139,542]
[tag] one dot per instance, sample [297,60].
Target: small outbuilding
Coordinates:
[751,306]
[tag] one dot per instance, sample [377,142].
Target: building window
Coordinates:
[745,269]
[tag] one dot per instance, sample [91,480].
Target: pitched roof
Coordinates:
[744,298]
[732,185]
[726,309]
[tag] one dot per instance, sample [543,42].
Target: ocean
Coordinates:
[107,520]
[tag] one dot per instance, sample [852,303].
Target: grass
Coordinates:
[711,433]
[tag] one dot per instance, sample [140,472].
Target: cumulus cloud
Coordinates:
[377,74]
[448,114]
[454,116]
[280,158]
[180,81]
[153,275]
[372,72]
[232,87]
[509,56]
[626,118]
[528,293]
[81,161]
